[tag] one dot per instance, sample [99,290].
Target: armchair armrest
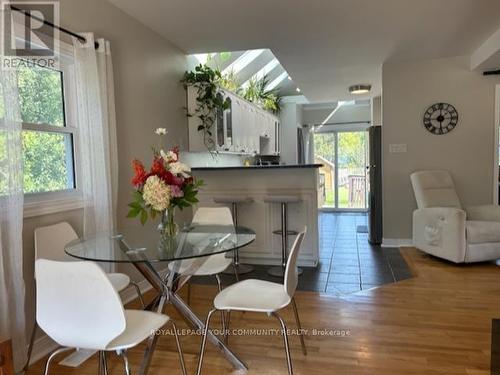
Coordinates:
[483,213]
[440,231]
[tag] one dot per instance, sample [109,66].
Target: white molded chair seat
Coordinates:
[252,295]
[213,265]
[120,281]
[139,325]
[261,296]
[78,307]
[49,244]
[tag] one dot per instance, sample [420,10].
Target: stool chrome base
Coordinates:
[279,271]
[240,269]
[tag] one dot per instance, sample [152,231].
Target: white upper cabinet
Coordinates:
[242,128]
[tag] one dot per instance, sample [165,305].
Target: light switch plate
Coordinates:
[396,148]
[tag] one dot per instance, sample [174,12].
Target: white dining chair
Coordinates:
[78,307]
[215,264]
[262,296]
[49,244]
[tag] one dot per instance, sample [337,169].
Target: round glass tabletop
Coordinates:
[146,244]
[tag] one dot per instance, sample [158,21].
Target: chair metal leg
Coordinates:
[222,313]
[123,354]
[285,339]
[103,363]
[236,273]
[226,332]
[54,353]
[139,294]
[179,349]
[30,347]
[204,341]
[299,326]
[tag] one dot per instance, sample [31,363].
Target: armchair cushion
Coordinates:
[434,189]
[483,213]
[479,232]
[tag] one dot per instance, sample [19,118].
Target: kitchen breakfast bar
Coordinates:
[260,192]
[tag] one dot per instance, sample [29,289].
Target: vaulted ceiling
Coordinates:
[325,45]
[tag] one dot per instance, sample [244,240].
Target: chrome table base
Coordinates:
[166,289]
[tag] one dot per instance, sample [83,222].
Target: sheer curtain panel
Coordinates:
[97,132]
[12,289]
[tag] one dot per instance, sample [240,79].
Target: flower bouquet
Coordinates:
[167,185]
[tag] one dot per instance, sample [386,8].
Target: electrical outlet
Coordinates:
[396,148]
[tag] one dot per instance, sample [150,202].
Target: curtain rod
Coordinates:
[48,23]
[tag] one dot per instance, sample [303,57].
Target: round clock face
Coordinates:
[440,118]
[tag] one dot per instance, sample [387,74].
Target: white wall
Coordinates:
[290,120]
[376,115]
[467,152]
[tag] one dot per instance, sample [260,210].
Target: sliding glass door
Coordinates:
[343,177]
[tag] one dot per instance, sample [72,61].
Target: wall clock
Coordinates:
[440,118]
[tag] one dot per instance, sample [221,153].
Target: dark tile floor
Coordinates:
[348,263]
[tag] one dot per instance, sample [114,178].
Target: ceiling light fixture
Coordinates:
[298,90]
[360,89]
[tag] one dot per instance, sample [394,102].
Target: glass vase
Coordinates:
[168,227]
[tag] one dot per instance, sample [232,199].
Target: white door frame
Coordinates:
[346,129]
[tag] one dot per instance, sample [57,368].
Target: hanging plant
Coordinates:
[208,101]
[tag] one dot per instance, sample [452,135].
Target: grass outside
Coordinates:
[343,198]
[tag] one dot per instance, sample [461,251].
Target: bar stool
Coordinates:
[284,232]
[237,266]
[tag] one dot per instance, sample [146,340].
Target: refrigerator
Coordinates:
[375,178]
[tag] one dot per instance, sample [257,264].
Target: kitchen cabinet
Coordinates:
[242,128]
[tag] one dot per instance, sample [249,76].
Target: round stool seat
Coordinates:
[282,199]
[226,199]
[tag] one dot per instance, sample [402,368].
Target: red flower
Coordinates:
[140,173]
[158,168]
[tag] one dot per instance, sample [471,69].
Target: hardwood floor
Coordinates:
[436,323]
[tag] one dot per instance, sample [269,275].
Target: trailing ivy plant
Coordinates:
[208,101]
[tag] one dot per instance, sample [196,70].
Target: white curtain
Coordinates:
[12,289]
[97,132]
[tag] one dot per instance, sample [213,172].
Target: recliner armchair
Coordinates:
[441,227]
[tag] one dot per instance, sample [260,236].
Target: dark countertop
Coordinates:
[257,167]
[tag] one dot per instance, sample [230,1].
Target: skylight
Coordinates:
[274,83]
[261,73]
[201,57]
[241,62]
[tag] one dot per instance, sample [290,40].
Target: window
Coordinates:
[47,138]
[49,133]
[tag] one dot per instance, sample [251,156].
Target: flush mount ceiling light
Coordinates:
[360,89]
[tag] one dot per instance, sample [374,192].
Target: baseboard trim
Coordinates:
[44,345]
[397,242]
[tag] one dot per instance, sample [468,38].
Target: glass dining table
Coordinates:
[149,251]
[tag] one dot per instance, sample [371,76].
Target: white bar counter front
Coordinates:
[257,182]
